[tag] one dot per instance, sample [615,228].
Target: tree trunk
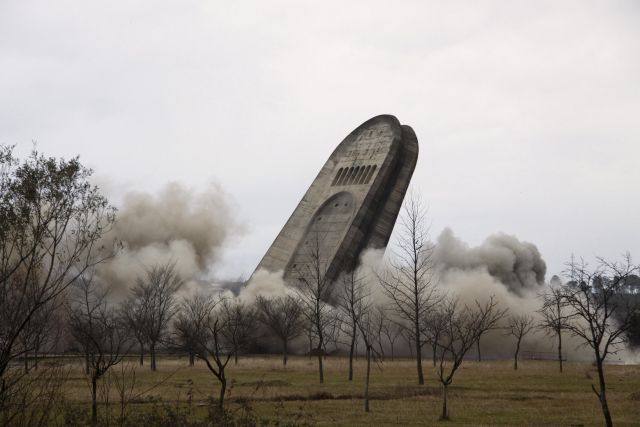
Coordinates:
[35,358]
[191,358]
[141,353]
[366,383]
[223,390]
[603,393]
[478,347]
[445,402]
[434,349]
[123,404]
[320,344]
[320,370]
[94,401]
[419,356]
[152,351]
[392,355]
[26,363]
[351,350]
[419,365]
[515,357]
[284,352]
[560,350]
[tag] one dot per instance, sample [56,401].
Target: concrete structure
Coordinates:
[351,205]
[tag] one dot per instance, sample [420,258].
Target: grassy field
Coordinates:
[483,393]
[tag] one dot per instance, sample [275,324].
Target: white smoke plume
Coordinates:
[264,283]
[203,220]
[178,225]
[190,228]
[271,284]
[510,270]
[517,265]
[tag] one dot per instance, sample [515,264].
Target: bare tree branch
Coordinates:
[599,312]
[283,316]
[409,281]
[519,326]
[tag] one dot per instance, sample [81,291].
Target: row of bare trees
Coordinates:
[594,306]
[411,305]
[53,232]
[215,329]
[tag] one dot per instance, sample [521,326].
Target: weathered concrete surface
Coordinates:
[351,205]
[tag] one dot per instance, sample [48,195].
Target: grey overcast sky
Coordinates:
[527,112]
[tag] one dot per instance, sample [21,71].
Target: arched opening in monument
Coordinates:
[323,236]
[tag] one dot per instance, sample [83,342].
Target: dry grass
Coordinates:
[486,393]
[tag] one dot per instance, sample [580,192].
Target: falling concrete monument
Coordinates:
[351,205]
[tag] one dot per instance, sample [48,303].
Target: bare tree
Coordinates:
[315,293]
[478,352]
[367,326]
[463,325]
[599,313]
[481,332]
[332,331]
[202,317]
[283,316]
[347,300]
[519,326]
[157,292]
[191,322]
[240,321]
[409,281]
[392,331]
[308,331]
[379,318]
[51,222]
[434,326]
[97,327]
[134,315]
[213,347]
[357,302]
[554,319]
[407,336]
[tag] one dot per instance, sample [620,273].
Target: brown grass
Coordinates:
[483,393]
